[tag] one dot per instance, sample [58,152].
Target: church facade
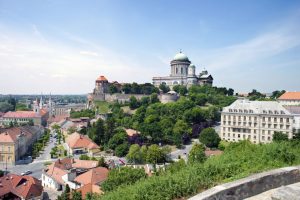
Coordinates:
[183,72]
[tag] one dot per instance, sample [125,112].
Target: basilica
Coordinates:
[183,72]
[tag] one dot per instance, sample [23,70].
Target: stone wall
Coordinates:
[164,98]
[252,185]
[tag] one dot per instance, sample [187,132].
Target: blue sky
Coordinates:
[62,46]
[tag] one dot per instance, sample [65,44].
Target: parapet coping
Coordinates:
[252,178]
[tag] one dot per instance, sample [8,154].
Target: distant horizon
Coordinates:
[63,46]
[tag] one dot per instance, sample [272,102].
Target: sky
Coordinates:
[62,46]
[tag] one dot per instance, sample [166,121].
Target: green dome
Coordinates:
[192,66]
[181,57]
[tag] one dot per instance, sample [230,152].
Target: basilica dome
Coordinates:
[181,57]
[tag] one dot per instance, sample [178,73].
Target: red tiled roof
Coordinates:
[101,78]
[22,186]
[94,176]
[21,114]
[77,140]
[290,96]
[60,167]
[11,134]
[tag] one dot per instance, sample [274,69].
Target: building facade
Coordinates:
[38,116]
[183,72]
[16,142]
[256,121]
[290,99]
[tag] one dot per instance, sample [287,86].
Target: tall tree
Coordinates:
[197,154]
[209,137]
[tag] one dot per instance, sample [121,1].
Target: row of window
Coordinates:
[249,118]
[251,111]
[8,149]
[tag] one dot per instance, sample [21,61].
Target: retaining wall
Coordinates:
[252,185]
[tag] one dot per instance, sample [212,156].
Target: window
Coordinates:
[181,69]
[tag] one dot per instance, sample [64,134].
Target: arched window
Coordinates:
[181,69]
[176,70]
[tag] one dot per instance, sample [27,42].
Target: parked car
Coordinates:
[26,173]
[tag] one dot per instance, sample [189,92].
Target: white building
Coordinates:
[183,72]
[290,98]
[255,120]
[295,111]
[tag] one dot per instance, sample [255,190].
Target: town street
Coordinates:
[37,166]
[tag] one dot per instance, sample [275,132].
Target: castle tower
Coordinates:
[191,78]
[101,85]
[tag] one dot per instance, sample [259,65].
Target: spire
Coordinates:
[41,101]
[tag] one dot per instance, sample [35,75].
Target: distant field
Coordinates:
[103,106]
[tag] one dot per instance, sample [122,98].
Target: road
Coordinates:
[37,165]
[183,153]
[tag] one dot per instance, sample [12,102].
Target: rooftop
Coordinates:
[94,176]
[24,187]
[256,107]
[77,140]
[290,96]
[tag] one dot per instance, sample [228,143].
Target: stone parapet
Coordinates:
[252,185]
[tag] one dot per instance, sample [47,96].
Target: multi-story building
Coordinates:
[289,99]
[15,142]
[256,121]
[38,116]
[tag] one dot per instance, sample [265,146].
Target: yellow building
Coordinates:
[15,142]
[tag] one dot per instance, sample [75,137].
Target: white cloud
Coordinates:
[31,64]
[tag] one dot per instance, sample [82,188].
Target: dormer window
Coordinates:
[240,110]
[276,112]
[265,112]
[270,112]
[230,110]
[250,111]
[282,112]
[235,110]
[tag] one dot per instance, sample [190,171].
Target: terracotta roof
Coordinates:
[84,164]
[131,132]
[94,176]
[89,188]
[11,134]
[22,186]
[21,114]
[101,78]
[61,166]
[290,96]
[77,140]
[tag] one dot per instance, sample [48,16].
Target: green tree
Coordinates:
[154,154]
[122,149]
[112,89]
[164,88]
[84,157]
[144,151]
[133,103]
[197,154]
[279,136]
[154,98]
[180,129]
[209,137]
[76,195]
[119,138]
[134,154]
